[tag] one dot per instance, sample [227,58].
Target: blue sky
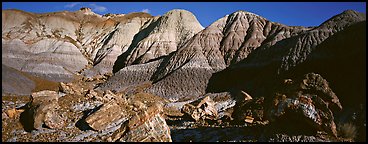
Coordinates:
[288,13]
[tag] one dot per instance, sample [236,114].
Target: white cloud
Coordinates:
[71,5]
[146,10]
[98,8]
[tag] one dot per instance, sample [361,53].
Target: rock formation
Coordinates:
[215,48]
[269,62]
[43,109]
[206,53]
[66,42]
[311,100]
[163,36]
[106,115]
[145,126]
[201,110]
[167,50]
[137,77]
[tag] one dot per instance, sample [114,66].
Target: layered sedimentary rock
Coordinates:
[145,126]
[227,73]
[227,41]
[163,36]
[14,82]
[172,51]
[271,62]
[106,115]
[291,52]
[118,41]
[127,76]
[223,43]
[40,44]
[60,44]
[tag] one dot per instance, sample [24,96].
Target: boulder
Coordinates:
[148,125]
[309,99]
[315,82]
[44,110]
[205,109]
[224,103]
[109,113]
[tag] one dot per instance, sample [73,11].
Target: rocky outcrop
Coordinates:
[59,45]
[311,100]
[341,60]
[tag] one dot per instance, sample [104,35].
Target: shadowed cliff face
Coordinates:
[341,60]
[266,65]
[250,50]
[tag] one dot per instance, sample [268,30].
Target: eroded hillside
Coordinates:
[81,76]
